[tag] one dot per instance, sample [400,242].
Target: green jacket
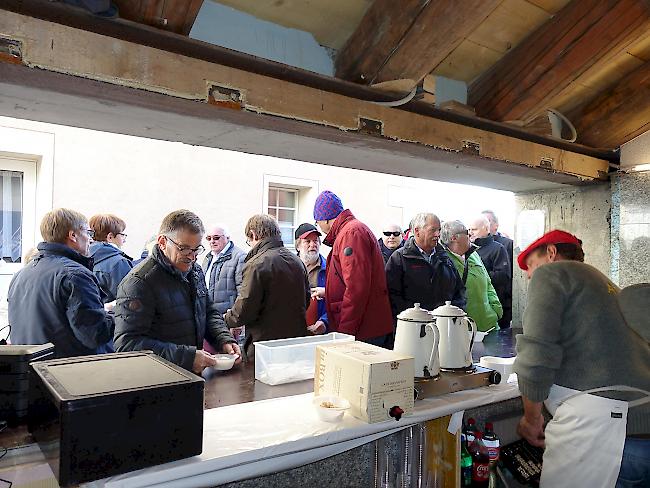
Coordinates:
[482,302]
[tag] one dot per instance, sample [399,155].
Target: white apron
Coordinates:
[585,438]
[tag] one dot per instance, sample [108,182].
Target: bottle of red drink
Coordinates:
[492,443]
[480,462]
[470,430]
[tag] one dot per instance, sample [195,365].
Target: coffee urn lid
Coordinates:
[448,310]
[415,314]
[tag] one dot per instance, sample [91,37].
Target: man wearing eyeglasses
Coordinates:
[222,266]
[163,304]
[392,238]
[55,297]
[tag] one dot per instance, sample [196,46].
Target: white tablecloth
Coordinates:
[259,438]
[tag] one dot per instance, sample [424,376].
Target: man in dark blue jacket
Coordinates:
[496,261]
[163,303]
[308,246]
[55,297]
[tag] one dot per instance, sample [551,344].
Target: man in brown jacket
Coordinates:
[275,292]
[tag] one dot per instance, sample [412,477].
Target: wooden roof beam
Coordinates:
[585,32]
[617,115]
[408,39]
[174,15]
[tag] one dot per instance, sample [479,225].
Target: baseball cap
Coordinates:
[305,229]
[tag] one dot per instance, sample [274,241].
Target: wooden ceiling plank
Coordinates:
[382,28]
[407,40]
[585,32]
[618,115]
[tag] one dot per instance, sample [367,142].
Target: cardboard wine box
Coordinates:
[373,379]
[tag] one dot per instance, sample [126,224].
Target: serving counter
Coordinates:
[252,430]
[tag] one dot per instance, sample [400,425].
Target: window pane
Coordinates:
[273,197]
[287,199]
[286,216]
[287,235]
[11,198]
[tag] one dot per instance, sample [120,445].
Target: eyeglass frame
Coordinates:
[186,251]
[122,234]
[462,232]
[89,233]
[392,233]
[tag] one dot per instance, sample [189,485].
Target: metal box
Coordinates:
[14,378]
[99,416]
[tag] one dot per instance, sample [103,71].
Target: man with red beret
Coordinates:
[356,295]
[592,371]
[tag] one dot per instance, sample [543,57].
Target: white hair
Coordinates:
[449,229]
[223,227]
[491,214]
[420,220]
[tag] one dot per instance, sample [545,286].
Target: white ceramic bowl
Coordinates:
[225,361]
[330,408]
[502,365]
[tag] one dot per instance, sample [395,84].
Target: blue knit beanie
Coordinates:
[328,206]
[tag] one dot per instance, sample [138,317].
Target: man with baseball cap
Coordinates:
[580,358]
[308,247]
[356,296]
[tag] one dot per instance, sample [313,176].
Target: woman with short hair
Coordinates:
[110,263]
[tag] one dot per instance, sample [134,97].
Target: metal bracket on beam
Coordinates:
[371,127]
[471,147]
[226,97]
[546,163]
[11,51]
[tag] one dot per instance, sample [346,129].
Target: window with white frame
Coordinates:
[283,205]
[11,225]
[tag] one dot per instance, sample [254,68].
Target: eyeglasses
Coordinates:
[463,232]
[213,238]
[394,234]
[186,251]
[90,233]
[121,234]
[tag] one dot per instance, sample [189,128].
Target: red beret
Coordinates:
[551,237]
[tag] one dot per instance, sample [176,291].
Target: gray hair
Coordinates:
[491,216]
[224,228]
[181,220]
[450,229]
[420,220]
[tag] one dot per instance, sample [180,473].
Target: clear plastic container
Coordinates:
[288,360]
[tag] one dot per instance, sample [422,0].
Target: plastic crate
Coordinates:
[288,360]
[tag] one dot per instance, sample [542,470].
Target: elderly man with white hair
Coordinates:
[222,267]
[496,261]
[421,271]
[482,301]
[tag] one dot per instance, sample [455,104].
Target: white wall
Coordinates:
[636,152]
[141,180]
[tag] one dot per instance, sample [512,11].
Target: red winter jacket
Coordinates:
[355,288]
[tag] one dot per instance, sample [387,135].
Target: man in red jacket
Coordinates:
[355,286]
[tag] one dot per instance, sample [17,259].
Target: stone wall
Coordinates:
[631,228]
[583,211]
